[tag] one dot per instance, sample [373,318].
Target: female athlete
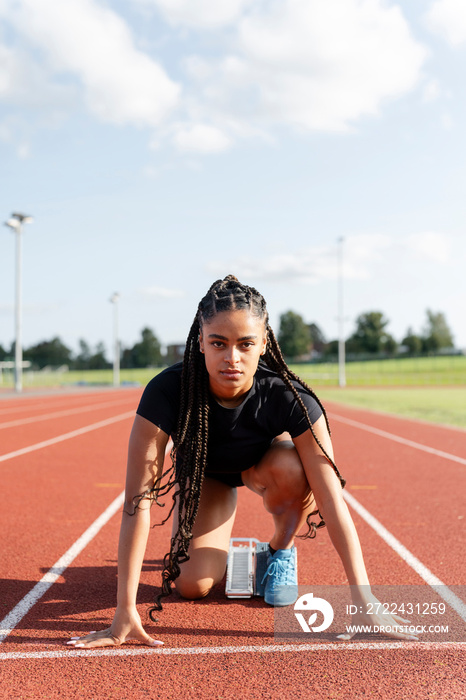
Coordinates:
[237,416]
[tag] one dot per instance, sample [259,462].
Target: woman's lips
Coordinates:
[231,373]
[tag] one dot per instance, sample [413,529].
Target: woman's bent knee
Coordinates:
[282,468]
[193,590]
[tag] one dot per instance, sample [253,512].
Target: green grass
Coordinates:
[410,371]
[444,405]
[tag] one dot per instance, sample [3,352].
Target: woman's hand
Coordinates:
[126,626]
[374,616]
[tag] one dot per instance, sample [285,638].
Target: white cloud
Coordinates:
[305,64]
[25,83]
[92,43]
[23,151]
[312,265]
[316,65]
[431,91]
[448,19]
[200,138]
[208,14]
[429,246]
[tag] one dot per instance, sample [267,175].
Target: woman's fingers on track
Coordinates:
[105,638]
[401,619]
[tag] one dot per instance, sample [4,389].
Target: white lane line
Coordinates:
[426,574]
[199,651]
[66,436]
[397,438]
[19,611]
[60,414]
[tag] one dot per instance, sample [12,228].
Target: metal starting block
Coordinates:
[246,566]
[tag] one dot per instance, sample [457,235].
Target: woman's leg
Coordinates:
[281,481]
[208,550]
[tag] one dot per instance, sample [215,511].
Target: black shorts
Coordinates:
[230,479]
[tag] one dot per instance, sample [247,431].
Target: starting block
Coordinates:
[246,566]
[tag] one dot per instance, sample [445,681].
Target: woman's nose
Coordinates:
[231,355]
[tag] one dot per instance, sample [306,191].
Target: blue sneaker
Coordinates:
[281,578]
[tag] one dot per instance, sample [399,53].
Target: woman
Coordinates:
[237,416]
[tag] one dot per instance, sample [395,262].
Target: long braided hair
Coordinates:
[191,438]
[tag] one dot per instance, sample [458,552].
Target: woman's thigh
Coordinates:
[279,467]
[208,549]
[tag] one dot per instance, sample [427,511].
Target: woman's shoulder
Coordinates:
[168,377]
[267,378]
[166,383]
[160,400]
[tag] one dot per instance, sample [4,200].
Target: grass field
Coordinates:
[410,371]
[444,405]
[432,388]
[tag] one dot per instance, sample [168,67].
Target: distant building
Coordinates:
[175,353]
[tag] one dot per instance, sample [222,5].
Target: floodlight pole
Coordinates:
[341,321]
[15,222]
[116,342]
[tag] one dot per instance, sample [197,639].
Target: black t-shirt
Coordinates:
[238,437]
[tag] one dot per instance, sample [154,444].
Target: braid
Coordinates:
[191,439]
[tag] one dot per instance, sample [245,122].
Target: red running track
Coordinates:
[62,464]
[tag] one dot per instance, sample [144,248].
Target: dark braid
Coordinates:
[191,439]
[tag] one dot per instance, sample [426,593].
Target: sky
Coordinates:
[162,144]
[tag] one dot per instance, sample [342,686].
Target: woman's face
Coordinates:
[232,343]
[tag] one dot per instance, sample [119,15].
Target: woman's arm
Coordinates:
[146,454]
[328,494]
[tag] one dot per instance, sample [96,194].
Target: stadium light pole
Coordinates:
[15,222]
[116,342]
[341,320]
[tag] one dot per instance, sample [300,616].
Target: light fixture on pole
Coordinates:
[341,320]
[15,222]
[116,342]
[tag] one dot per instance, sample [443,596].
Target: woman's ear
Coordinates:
[264,345]
[201,343]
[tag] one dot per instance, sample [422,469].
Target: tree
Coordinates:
[84,355]
[390,346]
[3,353]
[370,335]
[331,349]
[49,352]
[437,334]
[318,339]
[412,342]
[147,353]
[294,337]
[98,359]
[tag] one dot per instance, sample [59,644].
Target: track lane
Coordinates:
[59,422]
[53,495]
[449,439]
[417,496]
[84,599]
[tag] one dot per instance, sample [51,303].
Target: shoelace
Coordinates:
[277,567]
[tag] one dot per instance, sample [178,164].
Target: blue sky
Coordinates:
[161,144]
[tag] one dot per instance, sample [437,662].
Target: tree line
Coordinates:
[301,340]
[146,352]
[298,340]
